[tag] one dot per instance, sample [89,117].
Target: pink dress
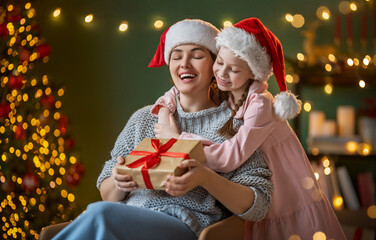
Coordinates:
[299,207]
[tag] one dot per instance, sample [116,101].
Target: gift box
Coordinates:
[153,160]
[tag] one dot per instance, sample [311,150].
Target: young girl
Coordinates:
[248,52]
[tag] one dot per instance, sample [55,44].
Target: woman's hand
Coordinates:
[122,182]
[170,130]
[180,185]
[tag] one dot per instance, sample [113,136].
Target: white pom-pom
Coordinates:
[286,105]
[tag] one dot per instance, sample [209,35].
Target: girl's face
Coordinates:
[231,72]
[191,68]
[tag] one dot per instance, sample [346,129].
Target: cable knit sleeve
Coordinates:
[128,139]
[255,174]
[168,100]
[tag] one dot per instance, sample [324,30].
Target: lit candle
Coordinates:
[329,128]
[346,120]
[316,120]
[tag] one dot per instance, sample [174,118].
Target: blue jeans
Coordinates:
[113,220]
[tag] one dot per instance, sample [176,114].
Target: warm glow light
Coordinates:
[289,17]
[365,61]
[319,236]
[158,24]
[315,151]
[317,175]
[57,12]
[344,7]
[364,149]
[356,62]
[307,107]
[351,146]
[371,211]
[327,171]
[350,62]
[325,162]
[289,78]
[300,56]
[323,13]
[294,237]
[123,26]
[227,24]
[338,202]
[298,21]
[89,18]
[328,88]
[331,57]
[353,6]
[328,67]
[362,84]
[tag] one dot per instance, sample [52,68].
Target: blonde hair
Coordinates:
[228,130]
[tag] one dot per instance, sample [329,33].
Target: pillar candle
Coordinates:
[346,120]
[315,122]
[337,38]
[329,128]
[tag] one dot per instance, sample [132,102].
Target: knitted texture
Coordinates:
[198,209]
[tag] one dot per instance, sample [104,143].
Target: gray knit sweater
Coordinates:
[198,209]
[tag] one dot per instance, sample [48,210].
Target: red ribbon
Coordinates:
[153,158]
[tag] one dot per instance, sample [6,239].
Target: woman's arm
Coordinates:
[117,187]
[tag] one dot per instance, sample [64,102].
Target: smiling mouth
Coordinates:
[187,76]
[221,81]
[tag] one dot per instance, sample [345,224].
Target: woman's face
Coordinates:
[231,72]
[191,69]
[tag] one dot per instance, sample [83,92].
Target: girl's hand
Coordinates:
[122,182]
[170,130]
[195,176]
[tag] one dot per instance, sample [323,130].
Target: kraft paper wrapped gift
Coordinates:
[153,160]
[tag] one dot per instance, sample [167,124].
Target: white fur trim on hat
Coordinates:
[190,31]
[286,105]
[247,47]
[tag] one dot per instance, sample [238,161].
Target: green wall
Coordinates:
[105,71]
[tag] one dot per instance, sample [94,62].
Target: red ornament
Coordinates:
[48,101]
[30,182]
[69,143]
[80,169]
[15,82]
[3,30]
[4,109]
[63,124]
[44,50]
[24,55]
[20,133]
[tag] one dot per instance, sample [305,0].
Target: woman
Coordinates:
[200,197]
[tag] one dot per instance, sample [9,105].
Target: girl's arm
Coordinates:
[167,100]
[258,123]
[247,193]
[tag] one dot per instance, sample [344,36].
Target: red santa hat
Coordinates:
[188,31]
[250,40]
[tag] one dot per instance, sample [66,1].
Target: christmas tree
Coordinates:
[38,167]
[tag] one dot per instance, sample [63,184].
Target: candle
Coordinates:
[346,120]
[329,128]
[349,29]
[337,38]
[363,41]
[315,122]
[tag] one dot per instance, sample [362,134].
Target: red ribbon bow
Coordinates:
[153,158]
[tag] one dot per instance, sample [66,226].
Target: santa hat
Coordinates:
[188,31]
[250,40]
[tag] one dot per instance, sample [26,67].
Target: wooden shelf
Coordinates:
[356,218]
